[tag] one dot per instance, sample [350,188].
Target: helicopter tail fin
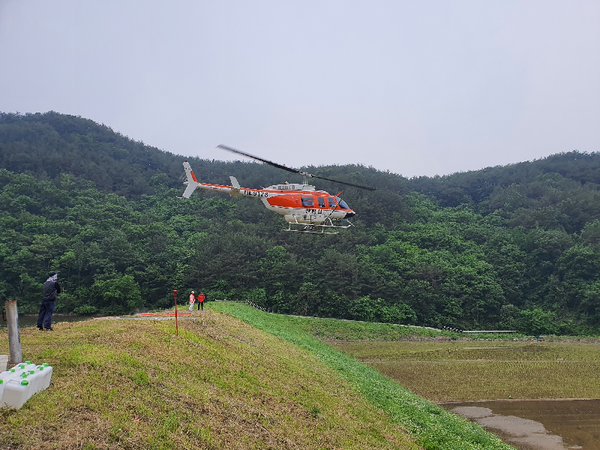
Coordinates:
[192,181]
[235,187]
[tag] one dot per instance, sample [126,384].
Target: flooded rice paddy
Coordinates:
[538,424]
[481,380]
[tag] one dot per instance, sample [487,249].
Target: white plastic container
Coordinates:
[13,392]
[46,375]
[16,393]
[8,374]
[35,381]
[27,365]
[18,370]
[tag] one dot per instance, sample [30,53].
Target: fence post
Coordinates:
[14,339]
[176,323]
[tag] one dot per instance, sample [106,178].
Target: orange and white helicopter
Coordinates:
[305,209]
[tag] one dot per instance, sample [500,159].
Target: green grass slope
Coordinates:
[432,426]
[263,382]
[221,384]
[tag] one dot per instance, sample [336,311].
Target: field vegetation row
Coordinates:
[443,371]
[444,366]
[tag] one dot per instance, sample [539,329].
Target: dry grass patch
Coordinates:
[220,384]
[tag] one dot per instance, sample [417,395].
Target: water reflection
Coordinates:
[31,321]
[538,424]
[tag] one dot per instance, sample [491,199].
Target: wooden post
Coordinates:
[14,339]
[176,323]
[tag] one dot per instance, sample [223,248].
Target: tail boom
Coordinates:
[193,184]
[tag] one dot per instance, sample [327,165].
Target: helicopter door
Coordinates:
[321,202]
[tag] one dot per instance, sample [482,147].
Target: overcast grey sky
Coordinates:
[419,87]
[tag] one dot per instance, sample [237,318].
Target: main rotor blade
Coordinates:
[344,182]
[279,166]
[289,169]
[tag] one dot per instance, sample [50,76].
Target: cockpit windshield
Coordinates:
[342,203]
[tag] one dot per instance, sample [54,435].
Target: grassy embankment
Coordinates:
[432,426]
[220,384]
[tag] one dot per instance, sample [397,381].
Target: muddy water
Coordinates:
[538,424]
[31,321]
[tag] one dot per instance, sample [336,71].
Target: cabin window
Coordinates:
[342,203]
[308,201]
[321,202]
[331,202]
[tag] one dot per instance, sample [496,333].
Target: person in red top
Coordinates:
[201,301]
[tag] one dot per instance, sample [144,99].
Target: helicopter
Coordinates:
[304,208]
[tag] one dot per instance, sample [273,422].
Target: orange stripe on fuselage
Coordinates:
[193,176]
[286,199]
[289,200]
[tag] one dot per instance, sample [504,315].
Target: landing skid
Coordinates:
[325,228]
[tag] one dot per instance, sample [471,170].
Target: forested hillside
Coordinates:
[558,191]
[505,247]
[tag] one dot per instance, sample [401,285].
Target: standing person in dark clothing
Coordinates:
[201,301]
[51,290]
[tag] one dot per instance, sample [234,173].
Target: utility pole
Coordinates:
[14,339]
